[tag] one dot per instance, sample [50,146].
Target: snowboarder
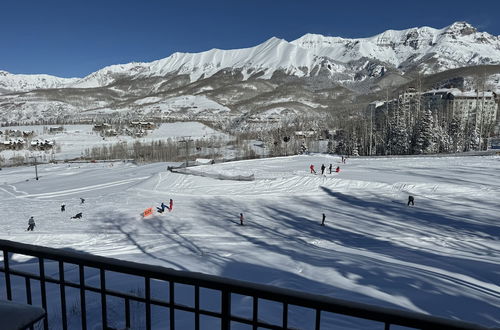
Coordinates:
[31,224]
[77,216]
[337,169]
[411,200]
[323,220]
[162,208]
[63,207]
[241,219]
[170,205]
[312,169]
[82,200]
[323,169]
[330,168]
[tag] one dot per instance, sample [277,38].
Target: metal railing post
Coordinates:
[7,274]
[83,309]
[62,289]
[172,305]
[147,287]
[43,291]
[104,312]
[225,309]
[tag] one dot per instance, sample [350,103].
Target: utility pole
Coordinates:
[36,168]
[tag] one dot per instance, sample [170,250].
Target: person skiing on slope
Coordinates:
[411,200]
[337,169]
[323,169]
[323,220]
[170,205]
[63,207]
[241,219]
[330,168]
[312,169]
[82,200]
[31,224]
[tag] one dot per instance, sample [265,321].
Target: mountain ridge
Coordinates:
[459,44]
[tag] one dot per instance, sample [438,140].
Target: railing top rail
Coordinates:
[324,303]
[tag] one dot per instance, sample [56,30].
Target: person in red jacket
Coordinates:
[171,205]
[312,169]
[337,169]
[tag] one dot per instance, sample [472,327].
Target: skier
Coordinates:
[323,169]
[411,200]
[31,224]
[162,208]
[82,200]
[330,168]
[312,169]
[170,205]
[63,207]
[241,219]
[77,216]
[323,220]
[337,169]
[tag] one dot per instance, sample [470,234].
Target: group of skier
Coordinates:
[323,167]
[79,215]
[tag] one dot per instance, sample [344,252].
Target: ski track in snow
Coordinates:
[440,257]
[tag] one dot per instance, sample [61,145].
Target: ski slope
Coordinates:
[439,257]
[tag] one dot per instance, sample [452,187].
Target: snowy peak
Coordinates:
[460,29]
[425,49]
[26,82]
[457,45]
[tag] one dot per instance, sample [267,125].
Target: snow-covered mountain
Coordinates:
[251,79]
[26,82]
[431,50]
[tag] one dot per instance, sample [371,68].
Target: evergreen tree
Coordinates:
[425,138]
[397,133]
[456,134]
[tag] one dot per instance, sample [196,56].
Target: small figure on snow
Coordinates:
[162,208]
[323,220]
[77,216]
[323,169]
[63,207]
[31,224]
[411,200]
[312,169]
[241,219]
[171,205]
[82,200]
[330,168]
[337,169]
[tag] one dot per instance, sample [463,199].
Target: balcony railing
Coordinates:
[84,264]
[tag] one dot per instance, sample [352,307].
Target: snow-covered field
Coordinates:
[439,257]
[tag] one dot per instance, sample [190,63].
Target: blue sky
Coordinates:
[73,38]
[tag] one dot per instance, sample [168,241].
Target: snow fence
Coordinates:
[213,175]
